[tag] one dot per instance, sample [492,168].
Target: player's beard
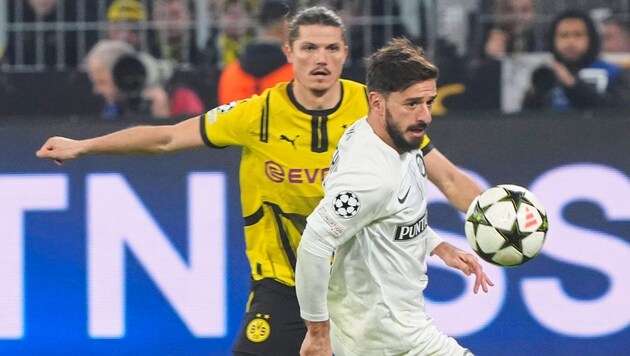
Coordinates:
[398,135]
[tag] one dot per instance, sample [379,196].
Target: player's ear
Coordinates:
[288,52]
[377,102]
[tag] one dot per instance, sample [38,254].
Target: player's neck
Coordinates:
[378,126]
[311,100]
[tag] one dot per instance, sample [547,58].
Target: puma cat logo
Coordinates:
[292,142]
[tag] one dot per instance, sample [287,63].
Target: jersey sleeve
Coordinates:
[433,240]
[312,274]
[353,199]
[231,124]
[426,145]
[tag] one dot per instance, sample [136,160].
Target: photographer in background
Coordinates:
[577,78]
[133,83]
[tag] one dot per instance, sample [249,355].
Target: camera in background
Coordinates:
[133,74]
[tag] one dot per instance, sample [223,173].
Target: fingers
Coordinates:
[480,281]
[469,264]
[490,283]
[57,149]
[42,152]
[481,278]
[485,282]
[46,154]
[48,150]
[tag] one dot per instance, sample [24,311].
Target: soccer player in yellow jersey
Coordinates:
[288,135]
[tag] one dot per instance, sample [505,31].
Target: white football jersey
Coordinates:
[375,213]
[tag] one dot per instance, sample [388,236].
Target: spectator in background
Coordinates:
[262,64]
[124,17]
[174,38]
[615,35]
[577,78]
[514,30]
[113,64]
[37,45]
[234,33]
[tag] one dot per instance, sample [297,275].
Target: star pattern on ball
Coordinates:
[514,196]
[478,218]
[502,231]
[514,237]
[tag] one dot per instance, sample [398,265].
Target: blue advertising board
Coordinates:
[145,255]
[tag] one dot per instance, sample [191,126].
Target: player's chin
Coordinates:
[320,88]
[415,136]
[414,141]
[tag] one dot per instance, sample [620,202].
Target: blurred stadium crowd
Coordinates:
[491,52]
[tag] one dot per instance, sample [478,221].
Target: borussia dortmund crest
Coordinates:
[258,330]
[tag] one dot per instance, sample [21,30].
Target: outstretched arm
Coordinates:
[464,262]
[459,187]
[135,140]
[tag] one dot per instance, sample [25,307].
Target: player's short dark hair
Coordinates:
[397,66]
[316,15]
[271,12]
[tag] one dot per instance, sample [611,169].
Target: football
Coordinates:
[506,225]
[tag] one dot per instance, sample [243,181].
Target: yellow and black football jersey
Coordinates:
[287,151]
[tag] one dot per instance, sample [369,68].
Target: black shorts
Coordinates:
[272,324]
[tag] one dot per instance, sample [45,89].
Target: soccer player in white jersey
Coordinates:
[374,218]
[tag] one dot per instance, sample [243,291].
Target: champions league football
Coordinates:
[506,225]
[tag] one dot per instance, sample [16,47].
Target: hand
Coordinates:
[317,340]
[59,149]
[496,45]
[465,262]
[563,74]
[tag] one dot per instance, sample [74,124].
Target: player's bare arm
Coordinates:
[465,262]
[317,340]
[135,140]
[459,187]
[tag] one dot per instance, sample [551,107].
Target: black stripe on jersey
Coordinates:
[319,133]
[426,149]
[264,121]
[319,119]
[286,244]
[284,239]
[204,134]
[254,218]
